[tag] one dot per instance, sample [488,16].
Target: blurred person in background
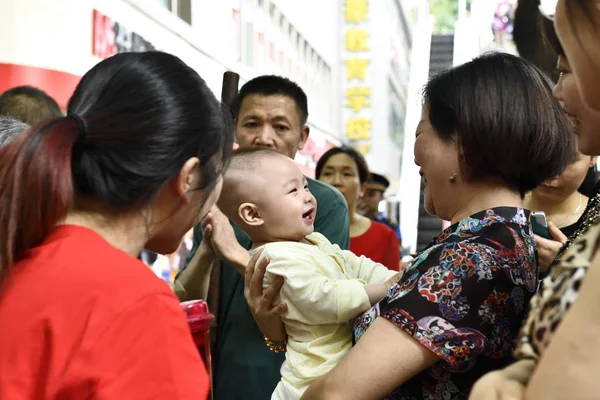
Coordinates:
[374,194]
[564,200]
[30,105]
[567,92]
[9,128]
[136,163]
[573,344]
[502,22]
[346,169]
[558,355]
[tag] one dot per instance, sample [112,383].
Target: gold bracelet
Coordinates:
[274,347]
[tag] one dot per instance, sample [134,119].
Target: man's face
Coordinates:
[371,200]
[270,121]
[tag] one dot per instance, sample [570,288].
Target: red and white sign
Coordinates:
[111,37]
[311,153]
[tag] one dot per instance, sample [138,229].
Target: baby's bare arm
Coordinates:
[378,291]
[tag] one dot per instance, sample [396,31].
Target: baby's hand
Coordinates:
[405,262]
[377,291]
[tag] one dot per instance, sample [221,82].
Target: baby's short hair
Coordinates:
[249,159]
[238,184]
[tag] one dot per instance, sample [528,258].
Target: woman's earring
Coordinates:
[452,178]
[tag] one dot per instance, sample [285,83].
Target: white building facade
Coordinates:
[51,44]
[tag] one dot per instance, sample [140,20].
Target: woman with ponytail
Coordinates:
[135,164]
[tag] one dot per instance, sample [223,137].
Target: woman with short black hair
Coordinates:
[457,310]
[508,130]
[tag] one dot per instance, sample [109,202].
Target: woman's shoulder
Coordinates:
[492,243]
[500,233]
[381,228]
[85,263]
[76,274]
[506,225]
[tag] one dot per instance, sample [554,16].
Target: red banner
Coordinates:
[59,85]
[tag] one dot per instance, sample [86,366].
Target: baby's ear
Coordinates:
[248,213]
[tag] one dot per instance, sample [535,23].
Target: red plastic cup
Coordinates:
[199,319]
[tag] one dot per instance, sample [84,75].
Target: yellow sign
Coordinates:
[356,10]
[356,68]
[356,39]
[363,148]
[357,128]
[357,97]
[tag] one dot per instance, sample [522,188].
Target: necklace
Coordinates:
[559,224]
[591,216]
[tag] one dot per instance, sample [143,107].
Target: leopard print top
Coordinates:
[559,290]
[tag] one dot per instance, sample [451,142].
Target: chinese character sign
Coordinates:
[357,91]
[111,37]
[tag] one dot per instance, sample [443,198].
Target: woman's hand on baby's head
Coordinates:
[263,304]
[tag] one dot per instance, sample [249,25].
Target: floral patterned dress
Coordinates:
[464,297]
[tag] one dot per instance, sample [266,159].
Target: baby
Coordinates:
[325,288]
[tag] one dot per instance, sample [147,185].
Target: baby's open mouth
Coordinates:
[308,214]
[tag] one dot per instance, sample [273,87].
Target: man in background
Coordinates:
[9,128]
[374,194]
[29,104]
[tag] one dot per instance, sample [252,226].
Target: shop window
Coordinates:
[249,44]
[307,54]
[164,3]
[396,116]
[181,8]
[184,10]
[237,29]
[301,50]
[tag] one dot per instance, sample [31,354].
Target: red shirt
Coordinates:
[380,244]
[80,319]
